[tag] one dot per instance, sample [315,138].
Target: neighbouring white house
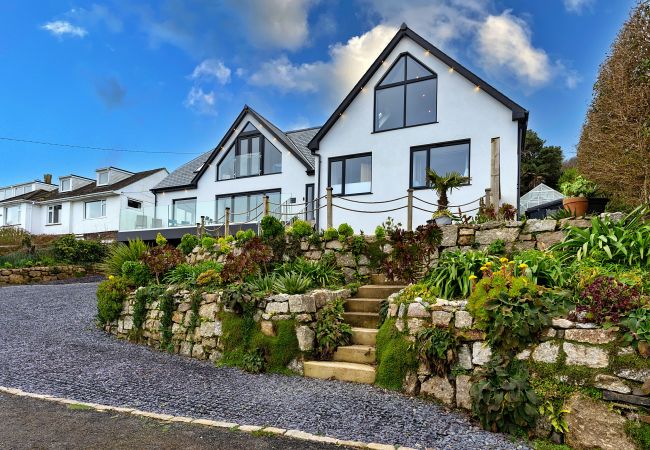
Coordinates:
[415,108]
[86,207]
[254,159]
[23,188]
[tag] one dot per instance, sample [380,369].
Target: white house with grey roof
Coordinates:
[415,108]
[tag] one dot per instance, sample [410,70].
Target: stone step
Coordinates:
[363,305]
[378,290]
[362,319]
[378,278]
[362,354]
[337,370]
[364,336]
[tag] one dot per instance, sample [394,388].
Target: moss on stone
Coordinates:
[394,357]
[634,361]
[639,432]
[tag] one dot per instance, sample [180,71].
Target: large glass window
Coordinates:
[310,204]
[443,158]
[247,207]
[12,215]
[95,210]
[184,211]
[406,96]
[54,214]
[351,174]
[251,155]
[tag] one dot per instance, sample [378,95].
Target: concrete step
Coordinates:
[378,290]
[363,305]
[344,371]
[361,354]
[362,319]
[364,336]
[378,278]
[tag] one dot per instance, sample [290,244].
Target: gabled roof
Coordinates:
[518,112]
[188,175]
[88,189]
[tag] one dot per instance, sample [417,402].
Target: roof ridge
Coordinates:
[303,129]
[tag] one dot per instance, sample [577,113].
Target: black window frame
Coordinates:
[428,148]
[240,194]
[129,200]
[344,159]
[236,146]
[404,83]
[310,210]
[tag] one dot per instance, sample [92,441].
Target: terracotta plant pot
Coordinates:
[576,205]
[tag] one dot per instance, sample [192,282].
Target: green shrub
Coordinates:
[279,350]
[497,248]
[161,259]
[186,273]
[639,432]
[331,329]
[578,187]
[243,236]
[380,233]
[451,277]
[301,229]
[208,242]
[209,277]
[136,273]
[345,231]
[606,300]
[502,397]
[118,254]
[161,240]
[167,310]
[262,284]
[322,273]
[272,228]
[292,283]
[110,296]
[435,348]
[188,243]
[395,357]
[487,290]
[239,298]
[544,268]
[69,249]
[330,234]
[637,324]
[411,252]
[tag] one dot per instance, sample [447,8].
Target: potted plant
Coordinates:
[576,195]
[443,184]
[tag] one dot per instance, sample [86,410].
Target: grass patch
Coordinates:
[639,432]
[394,357]
[79,407]
[540,444]
[262,433]
[634,361]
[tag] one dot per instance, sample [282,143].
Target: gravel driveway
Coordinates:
[49,345]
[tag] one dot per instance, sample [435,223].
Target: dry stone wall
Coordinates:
[28,275]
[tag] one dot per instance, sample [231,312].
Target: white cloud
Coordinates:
[201,102]
[577,6]
[504,41]
[211,69]
[286,76]
[61,28]
[276,23]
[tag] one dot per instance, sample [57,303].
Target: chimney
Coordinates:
[47,178]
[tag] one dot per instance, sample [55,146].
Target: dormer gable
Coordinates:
[71,182]
[110,175]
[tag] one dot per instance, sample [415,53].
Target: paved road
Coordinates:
[51,346]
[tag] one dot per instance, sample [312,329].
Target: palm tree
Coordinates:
[443,183]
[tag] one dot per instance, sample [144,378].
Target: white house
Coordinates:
[88,207]
[20,189]
[254,158]
[415,108]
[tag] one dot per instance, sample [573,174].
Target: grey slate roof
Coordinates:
[301,138]
[184,174]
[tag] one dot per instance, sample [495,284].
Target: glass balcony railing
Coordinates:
[243,209]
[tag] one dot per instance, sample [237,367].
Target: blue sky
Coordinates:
[171,75]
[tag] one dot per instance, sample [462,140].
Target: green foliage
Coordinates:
[240,298]
[188,274]
[637,324]
[243,236]
[188,243]
[208,242]
[262,284]
[451,277]
[331,329]
[413,291]
[345,231]
[443,184]
[497,248]
[136,273]
[395,357]
[555,416]
[502,397]
[626,242]
[301,229]
[540,444]
[161,241]
[110,296]
[568,175]
[272,228]
[380,232]
[254,255]
[209,277]
[579,187]
[71,250]
[330,234]
[357,245]
[540,163]
[279,350]
[544,268]
[322,273]
[607,300]
[143,296]
[118,254]
[167,310]
[411,252]
[161,259]
[435,348]
[27,258]
[292,283]
[639,432]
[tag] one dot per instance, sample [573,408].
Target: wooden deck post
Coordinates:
[495,173]
[266,205]
[330,214]
[409,210]
[226,223]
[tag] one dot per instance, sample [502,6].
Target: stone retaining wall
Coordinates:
[580,353]
[205,340]
[28,275]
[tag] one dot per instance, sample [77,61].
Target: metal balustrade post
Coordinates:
[226,223]
[409,210]
[330,215]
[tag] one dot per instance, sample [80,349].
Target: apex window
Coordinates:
[444,157]
[406,96]
[351,174]
[250,155]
